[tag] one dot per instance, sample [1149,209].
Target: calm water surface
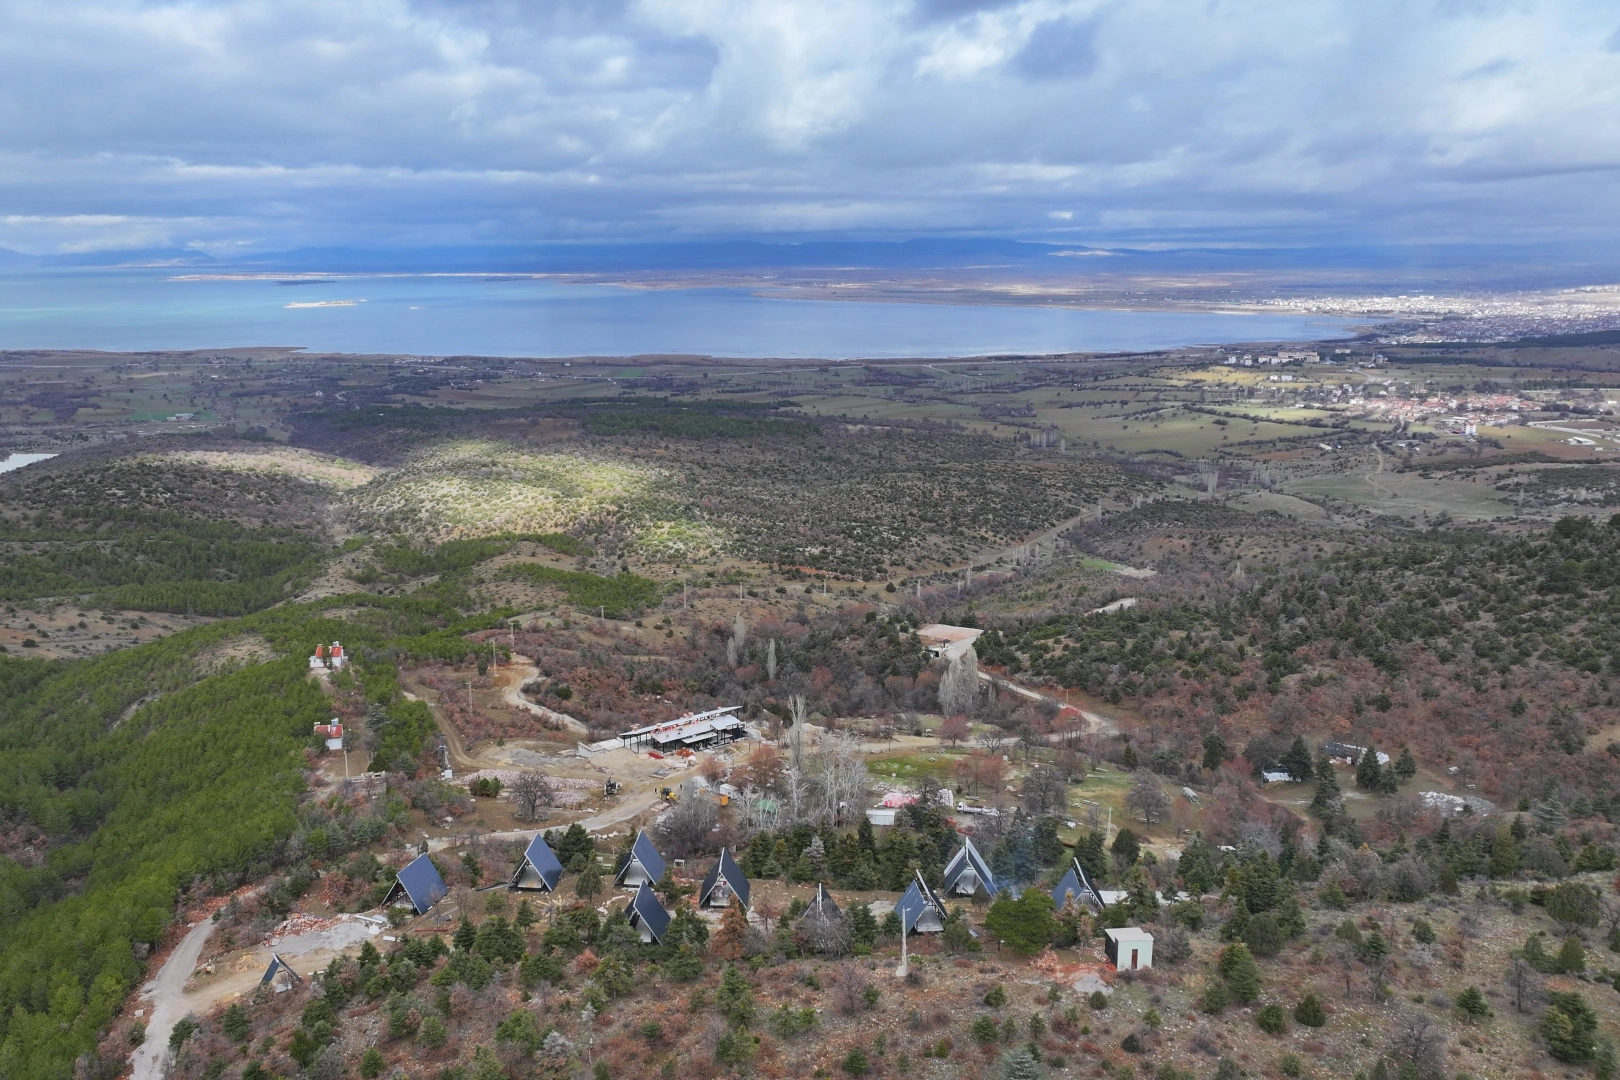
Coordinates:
[440,315]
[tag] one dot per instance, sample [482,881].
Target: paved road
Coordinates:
[166,991]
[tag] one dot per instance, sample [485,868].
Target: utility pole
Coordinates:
[469,694]
[901,970]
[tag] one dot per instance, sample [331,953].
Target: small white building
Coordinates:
[881,815]
[1130,948]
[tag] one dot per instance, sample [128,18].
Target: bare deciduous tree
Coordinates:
[1523,981]
[531,791]
[1147,798]
[959,689]
[1045,791]
[1414,1040]
[954,730]
[825,933]
[685,831]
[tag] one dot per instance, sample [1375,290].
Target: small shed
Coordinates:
[1076,885]
[420,884]
[725,880]
[540,868]
[881,815]
[647,915]
[967,872]
[920,909]
[1130,948]
[646,866]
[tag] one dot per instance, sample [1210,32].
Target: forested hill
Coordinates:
[1491,655]
[110,808]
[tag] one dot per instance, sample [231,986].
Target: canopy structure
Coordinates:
[920,909]
[1076,884]
[419,883]
[647,915]
[540,868]
[967,873]
[725,880]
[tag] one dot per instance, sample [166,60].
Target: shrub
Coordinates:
[1309,1012]
[371,1063]
[1473,1004]
[1291,1066]
[1133,1044]
[1423,932]
[1216,997]
[1272,1019]
[855,1062]
[985,1030]
[996,998]
[432,1033]
[1098,1000]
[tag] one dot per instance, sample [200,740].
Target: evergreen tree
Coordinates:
[1025,924]
[1237,968]
[1215,752]
[684,965]
[1020,1065]
[525,917]
[1197,866]
[735,998]
[236,1024]
[1092,853]
[1405,765]
[1569,1027]
[1473,1004]
[862,926]
[1369,774]
[728,941]
[465,937]
[1297,762]
[1572,956]
[1309,1012]
[1126,848]
[588,885]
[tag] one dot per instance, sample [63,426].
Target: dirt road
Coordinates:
[627,808]
[513,695]
[1098,723]
[168,1001]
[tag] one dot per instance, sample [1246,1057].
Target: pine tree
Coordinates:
[465,937]
[1237,967]
[1215,752]
[525,916]
[735,998]
[727,942]
[1020,1065]
[1309,1012]
[1405,765]
[1572,957]
[1024,924]
[1197,866]
[1297,762]
[1473,1004]
[1369,775]
[588,885]
[684,965]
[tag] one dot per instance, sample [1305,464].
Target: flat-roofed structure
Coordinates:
[693,732]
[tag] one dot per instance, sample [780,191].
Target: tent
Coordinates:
[920,909]
[419,883]
[645,865]
[540,868]
[648,916]
[966,872]
[1076,884]
[725,880]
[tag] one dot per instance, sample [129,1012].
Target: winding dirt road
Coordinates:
[167,993]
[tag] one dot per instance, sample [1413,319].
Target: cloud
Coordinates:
[254,124]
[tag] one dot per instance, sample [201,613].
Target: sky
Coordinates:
[243,126]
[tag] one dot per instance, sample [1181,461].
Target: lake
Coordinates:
[133,310]
[12,462]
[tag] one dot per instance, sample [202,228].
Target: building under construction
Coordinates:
[695,732]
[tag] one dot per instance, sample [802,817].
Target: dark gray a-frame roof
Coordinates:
[277,964]
[643,852]
[543,862]
[726,867]
[1076,884]
[968,858]
[823,904]
[918,898]
[646,908]
[421,884]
